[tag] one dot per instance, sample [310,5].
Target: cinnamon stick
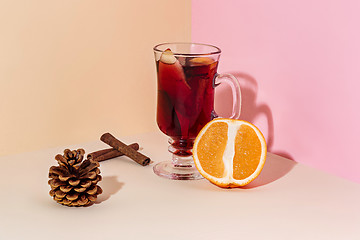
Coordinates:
[108,153]
[122,147]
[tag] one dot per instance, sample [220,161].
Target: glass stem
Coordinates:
[182,162]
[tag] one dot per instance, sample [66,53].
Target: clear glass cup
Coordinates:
[187,76]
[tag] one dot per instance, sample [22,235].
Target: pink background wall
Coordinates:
[299,66]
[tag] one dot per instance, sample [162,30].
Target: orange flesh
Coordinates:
[247,152]
[211,149]
[202,60]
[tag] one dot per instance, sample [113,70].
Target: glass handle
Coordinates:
[236,92]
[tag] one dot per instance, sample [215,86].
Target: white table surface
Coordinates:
[287,201]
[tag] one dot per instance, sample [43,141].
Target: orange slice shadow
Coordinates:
[275,168]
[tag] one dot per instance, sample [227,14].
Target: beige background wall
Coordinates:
[71,70]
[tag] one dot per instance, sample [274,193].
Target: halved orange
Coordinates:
[229,153]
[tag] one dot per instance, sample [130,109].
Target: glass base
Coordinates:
[177,169]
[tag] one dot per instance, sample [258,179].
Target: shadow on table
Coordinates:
[110,185]
[275,167]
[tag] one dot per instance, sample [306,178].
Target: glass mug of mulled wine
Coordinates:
[186,77]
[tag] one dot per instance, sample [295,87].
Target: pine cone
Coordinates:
[74,181]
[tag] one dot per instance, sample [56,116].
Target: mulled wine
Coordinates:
[186,75]
[185,98]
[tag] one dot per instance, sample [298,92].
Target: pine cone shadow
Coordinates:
[110,185]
